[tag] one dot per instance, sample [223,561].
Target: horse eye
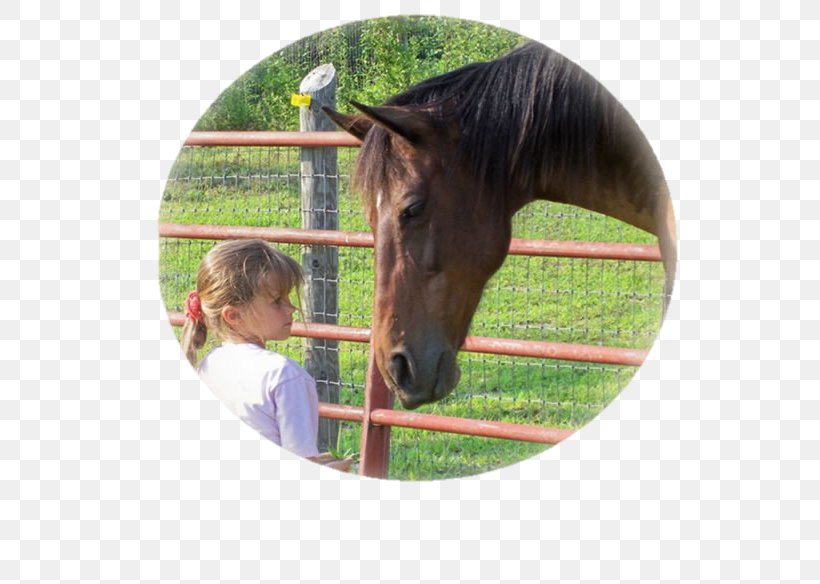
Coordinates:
[412,211]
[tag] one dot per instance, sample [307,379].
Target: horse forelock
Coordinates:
[378,166]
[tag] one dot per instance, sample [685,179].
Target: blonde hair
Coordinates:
[232,273]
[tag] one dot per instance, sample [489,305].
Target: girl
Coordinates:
[242,295]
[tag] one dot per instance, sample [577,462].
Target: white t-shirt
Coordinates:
[268,391]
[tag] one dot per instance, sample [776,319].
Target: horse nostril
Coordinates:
[401,371]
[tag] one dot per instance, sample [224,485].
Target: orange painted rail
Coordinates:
[489,345]
[304,139]
[530,247]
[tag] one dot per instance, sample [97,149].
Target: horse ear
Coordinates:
[358,126]
[413,126]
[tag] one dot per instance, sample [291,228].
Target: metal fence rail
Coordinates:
[526,247]
[302,139]
[487,345]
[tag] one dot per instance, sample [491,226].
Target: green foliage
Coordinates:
[374,60]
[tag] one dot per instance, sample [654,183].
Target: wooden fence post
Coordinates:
[319,197]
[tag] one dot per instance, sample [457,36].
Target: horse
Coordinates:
[445,165]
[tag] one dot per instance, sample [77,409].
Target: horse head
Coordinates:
[446,164]
[437,243]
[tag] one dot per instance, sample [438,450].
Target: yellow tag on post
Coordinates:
[300,100]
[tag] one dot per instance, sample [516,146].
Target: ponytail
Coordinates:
[194,335]
[194,331]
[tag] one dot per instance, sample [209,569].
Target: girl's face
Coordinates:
[268,318]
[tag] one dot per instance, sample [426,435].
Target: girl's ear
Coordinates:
[231,315]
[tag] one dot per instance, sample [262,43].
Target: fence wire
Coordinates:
[597,302]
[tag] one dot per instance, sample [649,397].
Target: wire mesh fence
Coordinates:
[597,302]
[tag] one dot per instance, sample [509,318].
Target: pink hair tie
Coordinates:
[193,307]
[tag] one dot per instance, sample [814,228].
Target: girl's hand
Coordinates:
[341,464]
[327,459]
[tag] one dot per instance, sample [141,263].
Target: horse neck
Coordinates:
[636,194]
[614,173]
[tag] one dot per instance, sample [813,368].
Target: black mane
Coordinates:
[524,120]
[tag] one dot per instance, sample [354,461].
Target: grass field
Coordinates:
[599,302]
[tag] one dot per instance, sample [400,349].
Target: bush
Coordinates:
[374,60]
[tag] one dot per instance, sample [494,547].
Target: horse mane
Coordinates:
[524,120]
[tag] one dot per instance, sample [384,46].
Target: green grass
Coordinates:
[567,300]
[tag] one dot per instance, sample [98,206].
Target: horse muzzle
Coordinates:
[421,377]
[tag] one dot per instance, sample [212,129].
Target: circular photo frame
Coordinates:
[416,248]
